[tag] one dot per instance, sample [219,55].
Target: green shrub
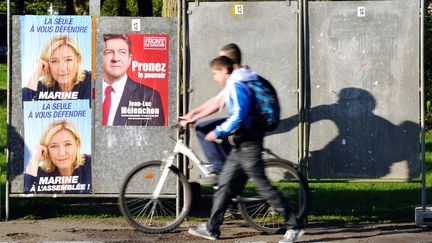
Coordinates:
[428,71]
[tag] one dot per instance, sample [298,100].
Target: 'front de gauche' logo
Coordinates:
[155,43]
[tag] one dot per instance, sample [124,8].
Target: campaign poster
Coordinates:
[59,137]
[56,57]
[56,61]
[135,70]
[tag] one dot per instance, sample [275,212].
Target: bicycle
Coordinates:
[155,196]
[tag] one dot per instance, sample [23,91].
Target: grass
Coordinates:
[3,127]
[384,202]
[3,74]
[364,202]
[3,87]
[378,202]
[370,202]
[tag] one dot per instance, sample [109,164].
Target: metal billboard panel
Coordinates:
[16,127]
[120,148]
[364,89]
[117,149]
[266,33]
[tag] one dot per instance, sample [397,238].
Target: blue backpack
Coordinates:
[266,104]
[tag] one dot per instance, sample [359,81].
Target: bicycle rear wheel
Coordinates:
[154,215]
[290,183]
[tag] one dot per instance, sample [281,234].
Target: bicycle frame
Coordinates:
[169,208]
[179,148]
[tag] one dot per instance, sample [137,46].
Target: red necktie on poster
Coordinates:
[106,105]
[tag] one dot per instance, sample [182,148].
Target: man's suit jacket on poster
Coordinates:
[135,92]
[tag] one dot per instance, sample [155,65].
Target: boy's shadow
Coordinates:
[366,146]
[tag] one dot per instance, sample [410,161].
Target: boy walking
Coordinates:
[245,159]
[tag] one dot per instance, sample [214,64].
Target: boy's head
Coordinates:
[221,68]
[232,51]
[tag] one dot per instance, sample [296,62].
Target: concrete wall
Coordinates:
[266,32]
[118,149]
[16,127]
[364,89]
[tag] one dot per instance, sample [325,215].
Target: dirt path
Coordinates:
[117,230]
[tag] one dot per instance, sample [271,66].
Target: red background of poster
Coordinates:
[154,55]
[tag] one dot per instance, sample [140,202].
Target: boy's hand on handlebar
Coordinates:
[183,123]
[211,137]
[185,120]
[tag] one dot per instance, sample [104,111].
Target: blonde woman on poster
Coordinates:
[57,165]
[58,73]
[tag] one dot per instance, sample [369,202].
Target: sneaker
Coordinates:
[232,213]
[209,180]
[292,235]
[202,231]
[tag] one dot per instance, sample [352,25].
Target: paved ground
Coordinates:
[117,230]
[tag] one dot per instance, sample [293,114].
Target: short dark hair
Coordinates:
[222,62]
[118,36]
[232,51]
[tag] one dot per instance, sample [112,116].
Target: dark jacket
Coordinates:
[128,115]
[83,88]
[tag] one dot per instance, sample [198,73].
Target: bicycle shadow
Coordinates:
[365,145]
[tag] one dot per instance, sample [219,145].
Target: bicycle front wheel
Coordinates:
[290,183]
[149,214]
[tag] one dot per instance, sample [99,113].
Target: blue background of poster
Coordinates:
[33,127]
[33,42]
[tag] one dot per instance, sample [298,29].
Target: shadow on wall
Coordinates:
[366,146]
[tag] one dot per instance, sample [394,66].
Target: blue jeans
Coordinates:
[245,162]
[216,153]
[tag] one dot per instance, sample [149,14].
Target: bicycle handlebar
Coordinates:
[181,131]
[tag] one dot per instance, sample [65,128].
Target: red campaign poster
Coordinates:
[150,64]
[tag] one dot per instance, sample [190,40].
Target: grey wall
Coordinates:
[118,149]
[364,89]
[16,126]
[267,36]
[370,62]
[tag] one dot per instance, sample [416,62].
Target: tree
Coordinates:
[70,8]
[428,65]
[19,7]
[169,8]
[145,8]
[122,9]
[82,7]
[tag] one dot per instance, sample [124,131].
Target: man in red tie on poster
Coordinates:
[126,102]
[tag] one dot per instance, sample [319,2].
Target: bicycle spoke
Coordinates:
[149,219]
[289,183]
[263,217]
[133,209]
[149,214]
[168,210]
[258,210]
